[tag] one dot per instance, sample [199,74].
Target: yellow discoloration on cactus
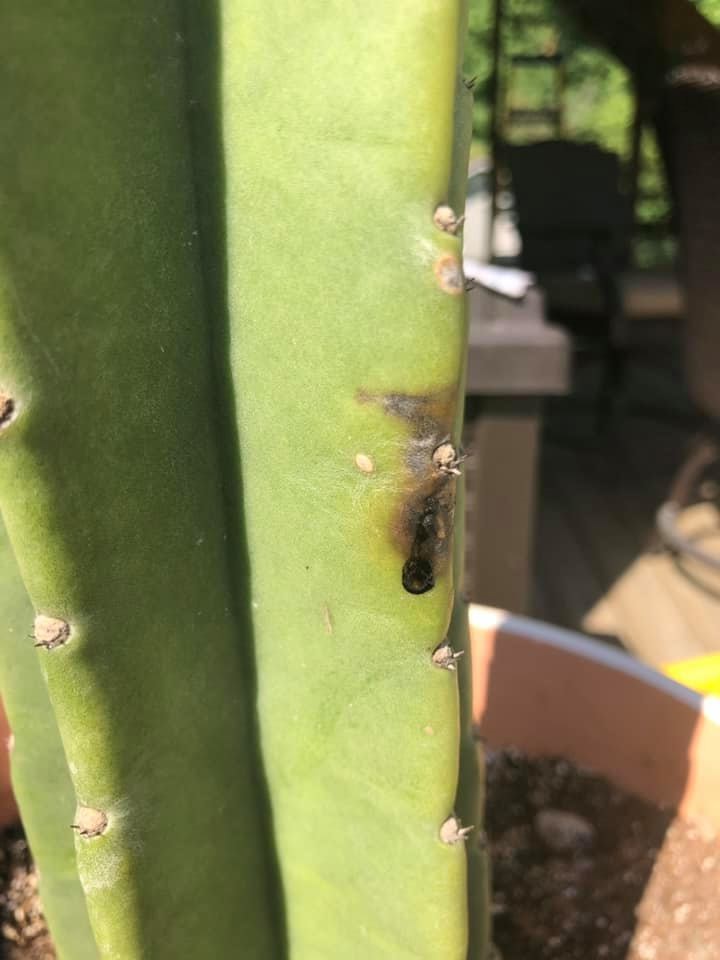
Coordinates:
[448,272]
[364,463]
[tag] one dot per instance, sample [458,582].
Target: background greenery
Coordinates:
[597,102]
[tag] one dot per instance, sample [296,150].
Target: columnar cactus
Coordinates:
[232,334]
[40,775]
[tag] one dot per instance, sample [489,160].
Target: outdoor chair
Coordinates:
[574,223]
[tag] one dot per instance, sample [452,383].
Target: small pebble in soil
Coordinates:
[563,832]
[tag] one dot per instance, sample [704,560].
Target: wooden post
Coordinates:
[504,442]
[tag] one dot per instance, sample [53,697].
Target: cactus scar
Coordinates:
[7,409]
[422,526]
[364,463]
[449,275]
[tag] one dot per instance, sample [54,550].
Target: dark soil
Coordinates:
[23,934]
[581,871]
[584,871]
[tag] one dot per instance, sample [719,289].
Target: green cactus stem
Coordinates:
[40,776]
[346,341]
[283,512]
[109,479]
[470,799]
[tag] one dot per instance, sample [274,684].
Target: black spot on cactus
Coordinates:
[422,528]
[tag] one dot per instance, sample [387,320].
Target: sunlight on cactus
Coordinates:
[232,340]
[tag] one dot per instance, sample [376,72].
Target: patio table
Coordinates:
[515,360]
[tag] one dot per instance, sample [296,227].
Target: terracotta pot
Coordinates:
[553,692]
[8,810]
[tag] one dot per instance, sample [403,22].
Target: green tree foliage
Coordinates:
[598,100]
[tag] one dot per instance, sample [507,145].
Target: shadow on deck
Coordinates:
[599,566]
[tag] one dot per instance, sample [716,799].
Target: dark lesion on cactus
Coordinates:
[423,524]
[428,517]
[7,409]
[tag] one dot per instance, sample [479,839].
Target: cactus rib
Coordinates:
[268,177]
[346,338]
[109,477]
[37,757]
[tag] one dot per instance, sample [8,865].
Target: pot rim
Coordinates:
[551,691]
[497,620]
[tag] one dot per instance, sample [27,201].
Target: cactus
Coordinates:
[37,757]
[232,334]
[471,789]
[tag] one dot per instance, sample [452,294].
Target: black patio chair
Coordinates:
[575,224]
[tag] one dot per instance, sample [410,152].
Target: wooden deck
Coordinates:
[598,563]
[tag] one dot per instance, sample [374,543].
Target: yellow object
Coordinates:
[699,673]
